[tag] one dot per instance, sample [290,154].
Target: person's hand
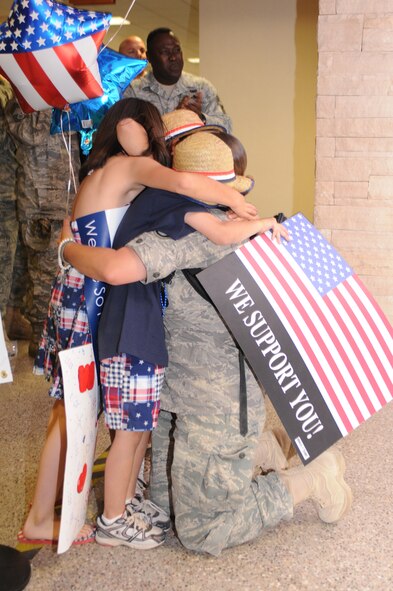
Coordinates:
[193,103]
[66,231]
[231,215]
[243,209]
[279,231]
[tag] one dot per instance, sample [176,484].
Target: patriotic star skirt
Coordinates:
[66,326]
[131,392]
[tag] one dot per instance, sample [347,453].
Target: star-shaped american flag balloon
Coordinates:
[48,52]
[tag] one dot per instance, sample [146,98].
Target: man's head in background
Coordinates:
[165,55]
[133,46]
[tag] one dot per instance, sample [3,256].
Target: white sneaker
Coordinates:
[153,512]
[140,488]
[133,530]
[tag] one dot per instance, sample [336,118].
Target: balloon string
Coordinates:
[120,26]
[68,146]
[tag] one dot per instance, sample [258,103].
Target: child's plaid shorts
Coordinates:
[131,392]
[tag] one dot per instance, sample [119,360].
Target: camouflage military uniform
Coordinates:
[148,89]
[216,502]
[41,190]
[20,286]
[8,219]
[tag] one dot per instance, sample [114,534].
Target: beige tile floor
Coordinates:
[302,555]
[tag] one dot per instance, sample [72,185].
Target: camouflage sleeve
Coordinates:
[162,255]
[8,163]
[30,129]
[213,109]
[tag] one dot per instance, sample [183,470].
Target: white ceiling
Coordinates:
[180,15]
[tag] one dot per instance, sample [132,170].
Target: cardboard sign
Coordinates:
[313,334]
[81,400]
[5,367]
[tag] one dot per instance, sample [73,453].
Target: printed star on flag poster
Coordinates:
[48,52]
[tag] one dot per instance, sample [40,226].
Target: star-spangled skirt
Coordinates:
[131,392]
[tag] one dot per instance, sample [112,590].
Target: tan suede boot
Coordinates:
[284,442]
[269,454]
[322,481]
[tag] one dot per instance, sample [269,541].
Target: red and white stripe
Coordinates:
[54,77]
[224,176]
[174,132]
[343,337]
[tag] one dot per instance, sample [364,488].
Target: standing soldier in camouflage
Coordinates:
[12,253]
[44,194]
[168,87]
[9,224]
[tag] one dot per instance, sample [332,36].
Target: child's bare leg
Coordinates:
[41,521]
[136,466]
[118,470]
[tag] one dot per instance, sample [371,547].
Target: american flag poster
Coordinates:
[314,336]
[48,52]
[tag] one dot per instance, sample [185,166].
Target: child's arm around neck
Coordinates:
[152,174]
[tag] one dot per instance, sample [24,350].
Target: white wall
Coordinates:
[249,51]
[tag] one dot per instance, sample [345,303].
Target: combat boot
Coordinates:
[273,451]
[18,328]
[33,349]
[322,481]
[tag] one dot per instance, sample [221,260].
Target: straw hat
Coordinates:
[205,153]
[183,122]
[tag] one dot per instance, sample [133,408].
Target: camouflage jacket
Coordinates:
[8,163]
[203,372]
[148,89]
[44,173]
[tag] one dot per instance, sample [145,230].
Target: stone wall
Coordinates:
[354,145]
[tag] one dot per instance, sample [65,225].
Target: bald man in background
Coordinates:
[133,46]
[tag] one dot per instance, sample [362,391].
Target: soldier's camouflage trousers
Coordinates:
[215,501]
[40,237]
[20,285]
[8,238]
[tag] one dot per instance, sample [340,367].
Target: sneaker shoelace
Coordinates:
[137,501]
[139,520]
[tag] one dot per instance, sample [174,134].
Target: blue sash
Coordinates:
[98,229]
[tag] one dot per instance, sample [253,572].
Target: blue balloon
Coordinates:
[117,71]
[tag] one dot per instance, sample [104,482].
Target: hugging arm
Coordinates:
[103,264]
[233,231]
[147,172]
[212,241]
